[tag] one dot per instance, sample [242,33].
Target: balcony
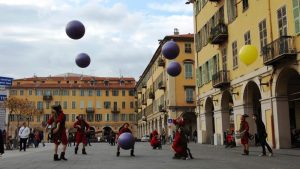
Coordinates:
[214,0]
[90,110]
[220,79]
[144,85]
[161,62]
[280,49]
[151,95]
[115,110]
[47,97]
[161,85]
[189,100]
[161,108]
[218,34]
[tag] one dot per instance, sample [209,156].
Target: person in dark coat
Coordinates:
[1,143]
[262,135]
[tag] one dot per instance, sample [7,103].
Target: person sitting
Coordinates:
[155,141]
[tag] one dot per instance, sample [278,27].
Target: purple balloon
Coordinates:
[75,29]
[126,141]
[174,69]
[170,50]
[83,60]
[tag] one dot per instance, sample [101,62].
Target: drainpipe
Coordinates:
[271,79]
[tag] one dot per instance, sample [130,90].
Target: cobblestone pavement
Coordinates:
[103,156]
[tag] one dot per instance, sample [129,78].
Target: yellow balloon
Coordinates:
[248,54]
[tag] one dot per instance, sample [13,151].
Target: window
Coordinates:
[115,105]
[65,93]
[47,104]
[21,92]
[224,58]
[90,117]
[73,117]
[131,92]
[98,92]
[65,106]
[55,92]
[247,38]
[73,104]
[98,105]
[46,117]
[30,92]
[262,34]
[131,105]
[296,12]
[115,92]
[106,83]
[123,105]
[188,70]
[90,105]
[13,92]
[115,117]
[107,117]
[123,92]
[282,21]
[107,92]
[38,92]
[234,55]
[189,95]
[39,105]
[131,117]
[245,5]
[67,117]
[232,10]
[73,92]
[107,105]
[123,117]
[188,48]
[81,92]
[81,104]
[47,92]
[90,92]
[98,117]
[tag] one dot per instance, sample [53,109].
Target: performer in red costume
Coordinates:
[155,141]
[244,132]
[82,128]
[180,144]
[58,131]
[124,129]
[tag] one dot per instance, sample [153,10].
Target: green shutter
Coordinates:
[296,15]
[197,77]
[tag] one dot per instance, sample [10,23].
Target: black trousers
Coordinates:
[23,142]
[264,144]
[1,143]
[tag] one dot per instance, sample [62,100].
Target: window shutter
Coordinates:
[296,15]
[197,77]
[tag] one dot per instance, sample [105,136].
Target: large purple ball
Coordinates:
[75,29]
[126,141]
[170,50]
[174,69]
[83,60]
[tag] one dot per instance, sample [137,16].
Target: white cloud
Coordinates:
[171,6]
[33,40]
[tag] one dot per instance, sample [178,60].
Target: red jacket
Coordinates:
[84,126]
[154,139]
[177,144]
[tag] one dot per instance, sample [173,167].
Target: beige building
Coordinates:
[105,102]
[227,88]
[161,97]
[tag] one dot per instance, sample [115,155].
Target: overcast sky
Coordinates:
[121,35]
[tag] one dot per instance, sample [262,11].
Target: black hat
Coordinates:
[245,115]
[57,108]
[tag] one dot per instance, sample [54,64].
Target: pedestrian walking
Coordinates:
[262,135]
[23,135]
[195,136]
[1,144]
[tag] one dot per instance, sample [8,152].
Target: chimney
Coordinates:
[176,31]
